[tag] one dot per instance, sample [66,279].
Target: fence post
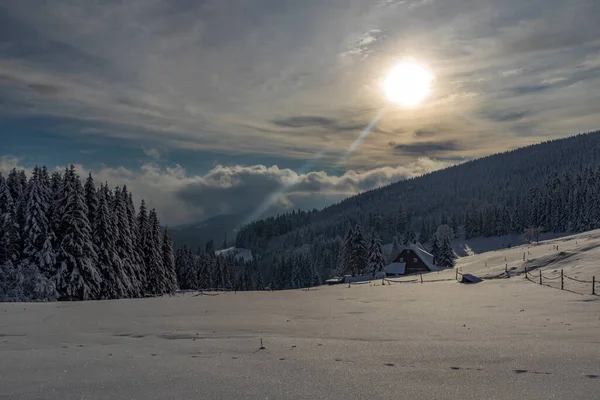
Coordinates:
[562,280]
[420,274]
[540,276]
[506,270]
[594,284]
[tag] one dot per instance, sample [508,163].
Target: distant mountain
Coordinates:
[218,228]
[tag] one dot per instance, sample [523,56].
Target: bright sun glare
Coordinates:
[408,84]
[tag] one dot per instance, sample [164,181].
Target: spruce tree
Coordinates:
[376,261]
[169,261]
[9,229]
[435,249]
[38,247]
[359,253]
[155,271]
[124,246]
[77,276]
[91,199]
[447,257]
[115,284]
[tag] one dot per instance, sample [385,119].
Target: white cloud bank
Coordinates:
[180,197]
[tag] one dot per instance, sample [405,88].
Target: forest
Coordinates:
[63,239]
[548,187]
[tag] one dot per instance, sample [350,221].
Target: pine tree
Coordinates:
[409,236]
[260,284]
[435,249]
[136,254]
[124,245]
[15,185]
[169,261]
[115,283]
[38,247]
[359,253]
[423,234]
[91,199]
[396,249]
[376,261]
[9,229]
[155,271]
[446,257]
[77,276]
[345,253]
[296,275]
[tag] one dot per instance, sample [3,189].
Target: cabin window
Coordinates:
[415,260]
[401,259]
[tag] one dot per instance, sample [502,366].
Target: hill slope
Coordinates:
[552,185]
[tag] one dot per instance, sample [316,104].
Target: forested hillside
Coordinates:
[553,186]
[63,239]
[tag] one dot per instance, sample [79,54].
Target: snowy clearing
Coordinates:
[499,339]
[237,252]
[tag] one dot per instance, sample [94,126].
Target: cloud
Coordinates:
[508,116]
[303,121]
[423,148]
[45,89]
[152,153]
[363,46]
[512,72]
[210,76]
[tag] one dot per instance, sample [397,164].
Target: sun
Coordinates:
[408,84]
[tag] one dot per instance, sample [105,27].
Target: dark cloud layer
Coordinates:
[422,148]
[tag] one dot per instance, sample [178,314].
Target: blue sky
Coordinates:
[209,106]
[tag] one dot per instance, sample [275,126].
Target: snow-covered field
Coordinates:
[499,339]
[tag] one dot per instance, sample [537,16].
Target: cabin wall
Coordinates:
[413,263]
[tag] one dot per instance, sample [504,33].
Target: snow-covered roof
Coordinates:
[424,255]
[395,268]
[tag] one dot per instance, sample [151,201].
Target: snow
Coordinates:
[499,339]
[468,247]
[237,252]
[577,256]
[395,268]
[424,255]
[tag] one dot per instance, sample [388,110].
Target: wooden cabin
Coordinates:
[412,259]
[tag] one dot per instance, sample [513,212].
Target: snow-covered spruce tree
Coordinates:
[38,258]
[409,236]
[11,282]
[359,253]
[396,249]
[296,275]
[376,261]
[115,282]
[446,254]
[169,261]
[91,199]
[155,271]
[9,229]
[15,185]
[124,245]
[435,248]
[77,276]
[137,258]
[260,284]
[203,268]
[345,253]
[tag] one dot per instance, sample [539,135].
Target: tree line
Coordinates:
[62,239]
